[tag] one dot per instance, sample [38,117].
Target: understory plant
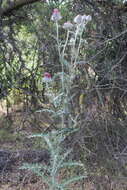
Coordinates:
[61,110]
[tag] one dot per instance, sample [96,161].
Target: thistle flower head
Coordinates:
[47,77]
[55,11]
[56,15]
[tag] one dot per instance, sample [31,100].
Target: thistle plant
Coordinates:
[68,68]
[61,100]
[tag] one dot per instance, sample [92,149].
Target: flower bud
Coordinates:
[68,25]
[72,41]
[88,18]
[78,19]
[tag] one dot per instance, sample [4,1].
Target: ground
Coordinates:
[16,147]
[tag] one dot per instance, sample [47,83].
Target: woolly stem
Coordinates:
[62,68]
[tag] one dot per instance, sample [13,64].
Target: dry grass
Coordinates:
[87,185]
[26,122]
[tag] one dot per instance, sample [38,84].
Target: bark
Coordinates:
[7,6]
